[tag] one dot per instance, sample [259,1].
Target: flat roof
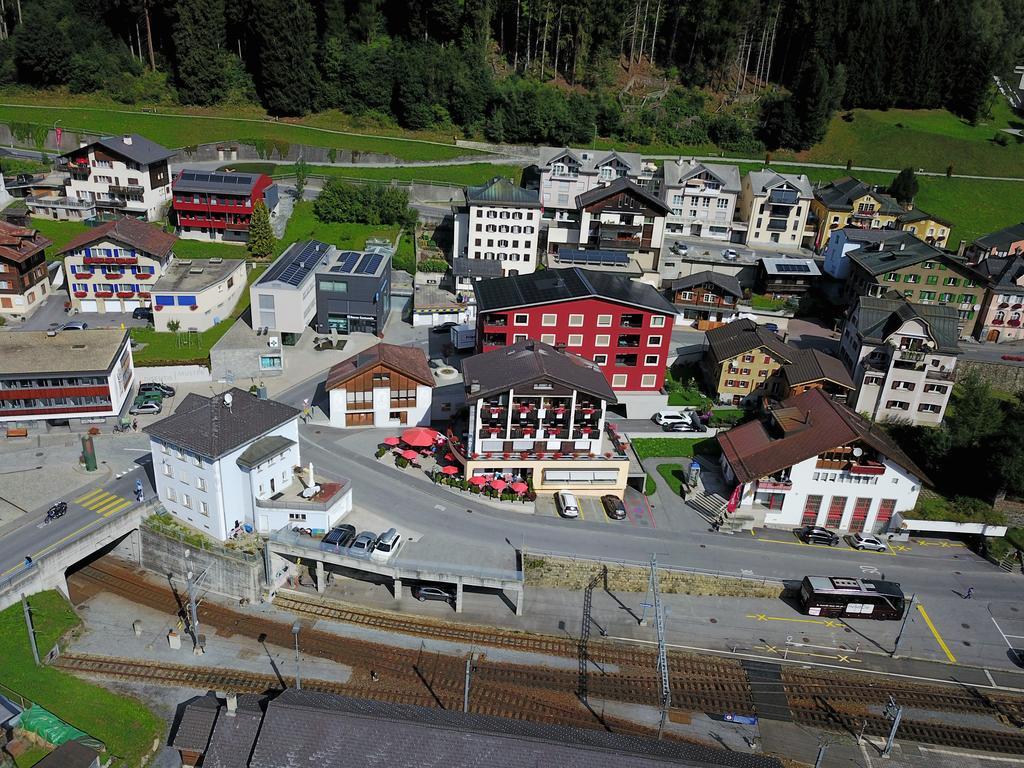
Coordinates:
[189,180]
[297,262]
[369,263]
[28,352]
[193,276]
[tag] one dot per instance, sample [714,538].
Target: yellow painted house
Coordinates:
[925,226]
[849,202]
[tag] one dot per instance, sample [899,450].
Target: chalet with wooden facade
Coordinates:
[383,386]
[705,299]
[22,268]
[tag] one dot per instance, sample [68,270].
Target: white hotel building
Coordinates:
[500,222]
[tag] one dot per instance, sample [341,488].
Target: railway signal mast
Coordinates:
[894,712]
[659,623]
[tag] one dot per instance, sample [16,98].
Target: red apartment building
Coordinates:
[625,327]
[209,205]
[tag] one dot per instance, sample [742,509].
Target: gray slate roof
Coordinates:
[866,235]
[549,286]
[728,283]
[590,160]
[141,150]
[263,449]
[70,754]
[916,214]
[503,192]
[234,735]
[838,195]
[1001,238]
[196,724]
[1003,272]
[879,318]
[526,362]
[766,179]
[812,365]
[205,425]
[677,172]
[743,335]
[621,184]
[303,729]
[463,267]
[899,252]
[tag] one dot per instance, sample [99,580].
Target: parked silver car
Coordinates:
[362,545]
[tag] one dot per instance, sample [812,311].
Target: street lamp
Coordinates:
[295,631]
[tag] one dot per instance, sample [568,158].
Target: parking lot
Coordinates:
[638,511]
[51,314]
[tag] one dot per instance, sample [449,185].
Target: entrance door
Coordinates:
[811,509]
[859,521]
[836,508]
[993,335]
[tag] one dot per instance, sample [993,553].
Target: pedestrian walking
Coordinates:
[374,676]
[969,593]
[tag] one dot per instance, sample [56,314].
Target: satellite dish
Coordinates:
[858,451]
[227,399]
[977,307]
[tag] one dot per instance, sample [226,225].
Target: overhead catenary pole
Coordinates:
[659,623]
[899,636]
[893,712]
[31,629]
[469,673]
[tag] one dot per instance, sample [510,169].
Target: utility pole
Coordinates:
[822,749]
[31,629]
[894,712]
[469,672]
[193,584]
[659,623]
[910,607]
[296,627]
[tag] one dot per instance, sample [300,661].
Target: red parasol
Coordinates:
[410,454]
[450,470]
[478,480]
[419,437]
[391,441]
[449,457]
[498,484]
[519,488]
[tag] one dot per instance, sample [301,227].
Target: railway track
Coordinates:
[840,701]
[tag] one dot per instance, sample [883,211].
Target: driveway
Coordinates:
[51,314]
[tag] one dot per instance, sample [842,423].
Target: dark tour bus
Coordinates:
[851,598]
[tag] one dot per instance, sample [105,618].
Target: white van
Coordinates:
[386,545]
[567,504]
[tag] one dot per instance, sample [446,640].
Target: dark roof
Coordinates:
[529,361]
[502,191]
[621,184]
[916,214]
[812,365]
[196,723]
[868,235]
[295,264]
[305,728]
[878,318]
[728,283]
[838,195]
[234,735]
[263,449]
[802,427]
[548,286]
[463,267]
[70,754]
[897,253]
[140,235]
[189,180]
[743,335]
[17,244]
[141,150]
[1003,272]
[209,427]
[1002,238]
[408,361]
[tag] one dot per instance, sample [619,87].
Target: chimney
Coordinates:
[680,162]
[82,143]
[232,700]
[903,246]
[127,139]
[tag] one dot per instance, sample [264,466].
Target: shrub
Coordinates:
[432,265]
[381,451]
[401,462]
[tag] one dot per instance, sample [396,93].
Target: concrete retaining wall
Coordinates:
[226,574]
[1008,377]
[174,374]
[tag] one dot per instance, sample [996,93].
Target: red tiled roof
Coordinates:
[407,361]
[811,423]
[140,235]
[19,243]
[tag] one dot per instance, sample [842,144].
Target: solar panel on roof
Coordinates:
[792,268]
[369,264]
[188,176]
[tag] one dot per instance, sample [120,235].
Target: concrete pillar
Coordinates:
[398,588]
[520,594]
[458,595]
[321,577]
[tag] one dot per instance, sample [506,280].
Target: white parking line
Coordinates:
[1006,639]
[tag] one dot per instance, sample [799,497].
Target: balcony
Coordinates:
[111,204]
[80,169]
[910,356]
[494,340]
[771,484]
[618,244]
[127,189]
[496,321]
[631,321]
[940,375]
[629,340]
[787,197]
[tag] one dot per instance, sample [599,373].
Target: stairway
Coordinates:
[710,506]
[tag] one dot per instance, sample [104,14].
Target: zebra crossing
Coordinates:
[102,502]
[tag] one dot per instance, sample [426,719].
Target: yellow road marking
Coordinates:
[790,652]
[823,622]
[846,550]
[938,637]
[124,503]
[98,499]
[106,504]
[55,544]
[95,492]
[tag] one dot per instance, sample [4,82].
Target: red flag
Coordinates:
[59,132]
[734,500]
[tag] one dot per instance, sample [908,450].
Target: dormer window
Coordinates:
[607,172]
[559,169]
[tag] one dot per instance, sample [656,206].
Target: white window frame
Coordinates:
[200,483]
[548,338]
[648,380]
[619,380]
[517,337]
[654,341]
[657,321]
[516,316]
[575,321]
[186,501]
[603,340]
[602,361]
[604,321]
[549,320]
[575,340]
[204,509]
[651,359]
[171,495]
[168,470]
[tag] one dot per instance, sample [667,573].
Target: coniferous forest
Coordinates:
[743,74]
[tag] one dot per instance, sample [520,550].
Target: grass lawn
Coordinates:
[657,447]
[680,392]
[462,175]
[186,128]
[726,416]
[304,225]
[650,486]
[201,249]
[405,256]
[759,301]
[162,347]
[60,232]
[673,474]
[30,757]
[123,724]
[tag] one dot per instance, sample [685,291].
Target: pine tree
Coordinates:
[904,186]
[198,40]
[285,32]
[261,234]
[301,172]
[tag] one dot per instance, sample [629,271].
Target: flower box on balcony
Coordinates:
[112,275]
[998,321]
[104,294]
[1013,323]
[144,294]
[81,275]
[158,307]
[81,294]
[125,294]
[194,307]
[143,275]
[1017,306]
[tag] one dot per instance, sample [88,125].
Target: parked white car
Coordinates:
[386,546]
[567,504]
[662,418]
